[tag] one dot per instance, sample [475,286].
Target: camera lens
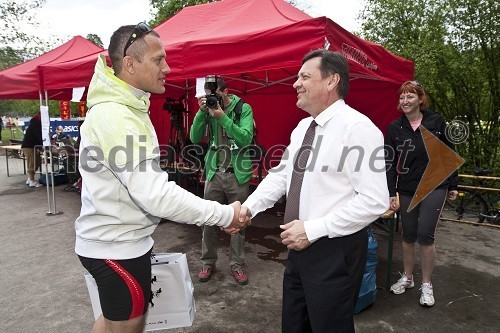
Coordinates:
[212,102]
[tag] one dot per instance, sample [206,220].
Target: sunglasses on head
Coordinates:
[139,30]
[416,83]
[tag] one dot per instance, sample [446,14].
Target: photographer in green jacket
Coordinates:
[228,168]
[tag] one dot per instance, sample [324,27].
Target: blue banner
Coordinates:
[70,127]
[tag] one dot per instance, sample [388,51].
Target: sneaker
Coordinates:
[427,297]
[403,283]
[27,181]
[240,276]
[34,183]
[206,273]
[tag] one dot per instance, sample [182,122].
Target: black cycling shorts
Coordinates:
[124,285]
[420,223]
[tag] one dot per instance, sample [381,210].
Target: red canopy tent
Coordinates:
[27,80]
[257,46]
[55,75]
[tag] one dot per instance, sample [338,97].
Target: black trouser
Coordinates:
[321,284]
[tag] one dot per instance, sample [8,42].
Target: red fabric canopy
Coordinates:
[257,46]
[55,75]
[24,81]
[234,36]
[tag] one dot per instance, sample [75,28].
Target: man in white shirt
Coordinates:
[343,190]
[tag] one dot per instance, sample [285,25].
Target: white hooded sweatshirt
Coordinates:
[124,192]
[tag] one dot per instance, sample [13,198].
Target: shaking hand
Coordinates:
[239,222]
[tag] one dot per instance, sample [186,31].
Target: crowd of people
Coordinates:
[329,203]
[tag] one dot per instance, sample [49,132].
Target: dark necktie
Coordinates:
[299,166]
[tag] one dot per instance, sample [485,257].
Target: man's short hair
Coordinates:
[221,84]
[331,63]
[117,44]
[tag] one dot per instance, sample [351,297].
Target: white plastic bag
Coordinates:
[172,304]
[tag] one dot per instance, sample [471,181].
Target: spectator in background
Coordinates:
[59,134]
[76,179]
[228,170]
[31,145]
[405,170]
[77,142]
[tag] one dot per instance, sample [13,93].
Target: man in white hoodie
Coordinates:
[124,192]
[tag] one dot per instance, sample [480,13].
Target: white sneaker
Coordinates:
[403,283]
[34,183]
[27,181]
[427,297]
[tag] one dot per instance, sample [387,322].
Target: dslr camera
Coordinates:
[213,98]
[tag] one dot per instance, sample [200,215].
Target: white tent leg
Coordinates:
[47,156]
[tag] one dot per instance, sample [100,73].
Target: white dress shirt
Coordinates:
[344,187]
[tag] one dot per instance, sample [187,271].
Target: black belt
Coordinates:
[225,170]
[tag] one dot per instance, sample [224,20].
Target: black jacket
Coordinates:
[404,174]
[33,136]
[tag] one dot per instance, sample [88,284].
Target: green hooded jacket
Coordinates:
[239,136]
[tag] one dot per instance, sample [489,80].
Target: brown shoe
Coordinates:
[206,273]
[240,276]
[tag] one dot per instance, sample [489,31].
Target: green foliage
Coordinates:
[16,46]
[22,45]
[167,8]
[95,39]
[19,108]
[11,133]
[455,47]
[9,57]
[27,108]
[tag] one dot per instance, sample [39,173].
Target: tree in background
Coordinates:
[15,44]
[164,9]
[9,57]
[455,47]
[95,39]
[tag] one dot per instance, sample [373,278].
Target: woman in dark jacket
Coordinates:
[406,162]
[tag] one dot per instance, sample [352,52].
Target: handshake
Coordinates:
[241,219]
[293,236]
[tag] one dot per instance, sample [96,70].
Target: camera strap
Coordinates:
[237,111]
[238,108]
